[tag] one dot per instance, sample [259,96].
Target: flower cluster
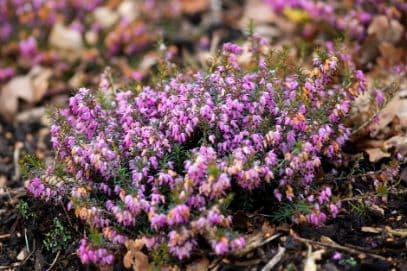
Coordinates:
[90,33]
[354,18]
[172,156]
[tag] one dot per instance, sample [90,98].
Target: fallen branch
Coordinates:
[5,236]
[274,261]
[54,261]
[339,247]
[397,232]
[255,244]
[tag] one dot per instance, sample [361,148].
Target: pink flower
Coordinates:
[179,214]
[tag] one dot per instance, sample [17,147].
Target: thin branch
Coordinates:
[274,261]
[54,261]
[339,247]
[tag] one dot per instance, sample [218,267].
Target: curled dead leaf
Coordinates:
[134,258]
[198,265]
[105,17]
[194,6]
[386,29]
[30,88]
[67,41]
[376,154]
[399,143]
[310,264]
[128,9]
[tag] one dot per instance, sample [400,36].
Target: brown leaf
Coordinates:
[385,29]
[134,258]
[194,6]
[267,229]
[67,41]
[396,107]
[106,268]
[310,264]
[30,88]
[264,18]
[376,154]
[128,9]
[399,143]
[105,17]
[199,265]
[390,55]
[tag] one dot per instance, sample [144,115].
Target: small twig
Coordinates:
[247,263]
[26,240]
[255,245]
[369,195]
[9,267]
[54,261]
[339,247]
[29,255]
[5,236]
[16,156]
[274,261]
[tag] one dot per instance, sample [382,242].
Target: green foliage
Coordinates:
[351,262]
[58,238]
[29,163]
[288,210]
[24,210]
[96,238]
[161,255]
[359,208]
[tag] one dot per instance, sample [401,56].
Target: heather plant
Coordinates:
[80,37]
[352,18]
[163,163]
[57,238]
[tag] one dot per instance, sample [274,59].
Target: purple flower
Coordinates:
[179,214]
[221,247]
[28,47]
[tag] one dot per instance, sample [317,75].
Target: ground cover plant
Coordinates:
[162,165]
[69,43]
[372,30]
[188,142]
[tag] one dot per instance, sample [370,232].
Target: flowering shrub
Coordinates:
[74,36]
[351,17]
[163,164]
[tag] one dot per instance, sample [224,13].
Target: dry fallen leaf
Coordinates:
[399,143]
[385,29]
[310,264]
[194,6]
[199,265]
[128,9]
[396,107]
[376,154]
[30,88]
[22,255]
[390,55]
[265,21]
[67,40]
[134,258]
[105,17]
